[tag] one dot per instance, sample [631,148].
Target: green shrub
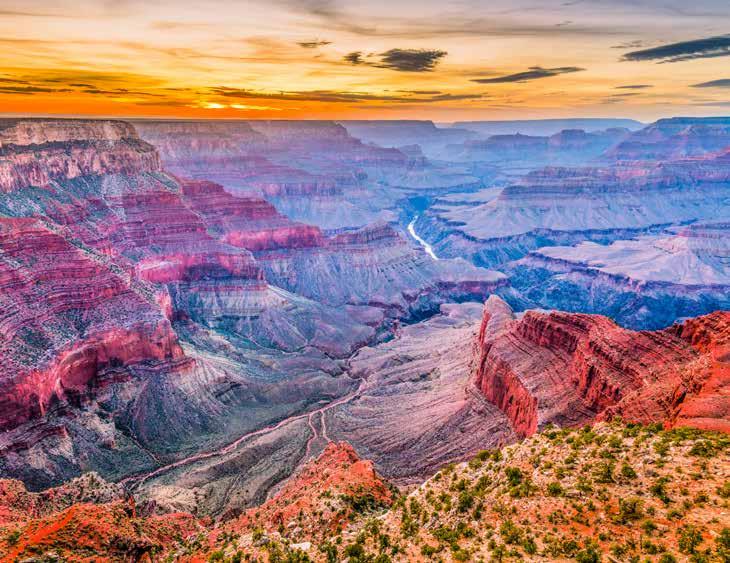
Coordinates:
[627,472]
[689,539]
[722,543]
[630,509]
[511,533]
[554,489]
[466,501]
[514,476]
[604,472]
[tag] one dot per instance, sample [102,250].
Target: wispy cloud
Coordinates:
[330,14]
[634,87]
[314,43]
[684,51]
[336,96]
[721,83]
[533,73]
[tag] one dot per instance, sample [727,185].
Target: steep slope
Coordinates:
[419,397]
[67,314]
[93,372]
[608,493]
[321,499]
[86,519]
[569,368]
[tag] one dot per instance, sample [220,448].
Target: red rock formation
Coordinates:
[64,316]
[323,497]
[247,222]
[83,521]
[570,368]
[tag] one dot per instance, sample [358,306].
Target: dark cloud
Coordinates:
[402,60]
[721,83]
[634,87]
[354,58]
[313,44]
[335,96]
[30,90]
[685,51]
[533,73]
[411,60]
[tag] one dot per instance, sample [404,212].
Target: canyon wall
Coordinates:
[570,368]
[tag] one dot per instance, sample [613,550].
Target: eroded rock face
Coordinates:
[646,282]
[323,497]
[38,152]
[66,315]
[673,138]
[568,369]
[419,396]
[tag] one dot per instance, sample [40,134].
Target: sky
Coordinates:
[443,60]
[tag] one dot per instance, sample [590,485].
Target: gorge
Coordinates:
[203,316]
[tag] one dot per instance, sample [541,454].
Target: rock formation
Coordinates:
[569,368]
[647,282]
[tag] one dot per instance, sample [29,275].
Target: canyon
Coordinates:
[222,327]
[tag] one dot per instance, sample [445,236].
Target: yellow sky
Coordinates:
[446,60]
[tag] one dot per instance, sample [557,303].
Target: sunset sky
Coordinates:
[442,60]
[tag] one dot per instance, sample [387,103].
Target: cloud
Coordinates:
[638,44]
[411,60]
[336,96]
[30,90]
[634,87]
[313,44]
[533,73]
[402,60]
[354,58]
[332,15]
[722,104]
[721,83]
[685,51]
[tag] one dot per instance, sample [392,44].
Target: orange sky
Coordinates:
[445,60]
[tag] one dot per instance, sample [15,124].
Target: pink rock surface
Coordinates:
[65,316]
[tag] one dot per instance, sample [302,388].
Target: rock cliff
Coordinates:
[568,369]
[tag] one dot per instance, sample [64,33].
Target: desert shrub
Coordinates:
[659,490]
[627,472]
[554,489]
[604,472]
[724,490]
[589,554]
[630,509]
[722,543]
[466,501]
[510,532]
[514,476]
[689,539]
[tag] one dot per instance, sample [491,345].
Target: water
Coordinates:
[419,240]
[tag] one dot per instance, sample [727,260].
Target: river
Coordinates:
[419,240]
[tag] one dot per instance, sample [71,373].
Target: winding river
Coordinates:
[419,240]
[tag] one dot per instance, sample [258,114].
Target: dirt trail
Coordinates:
[134,481]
